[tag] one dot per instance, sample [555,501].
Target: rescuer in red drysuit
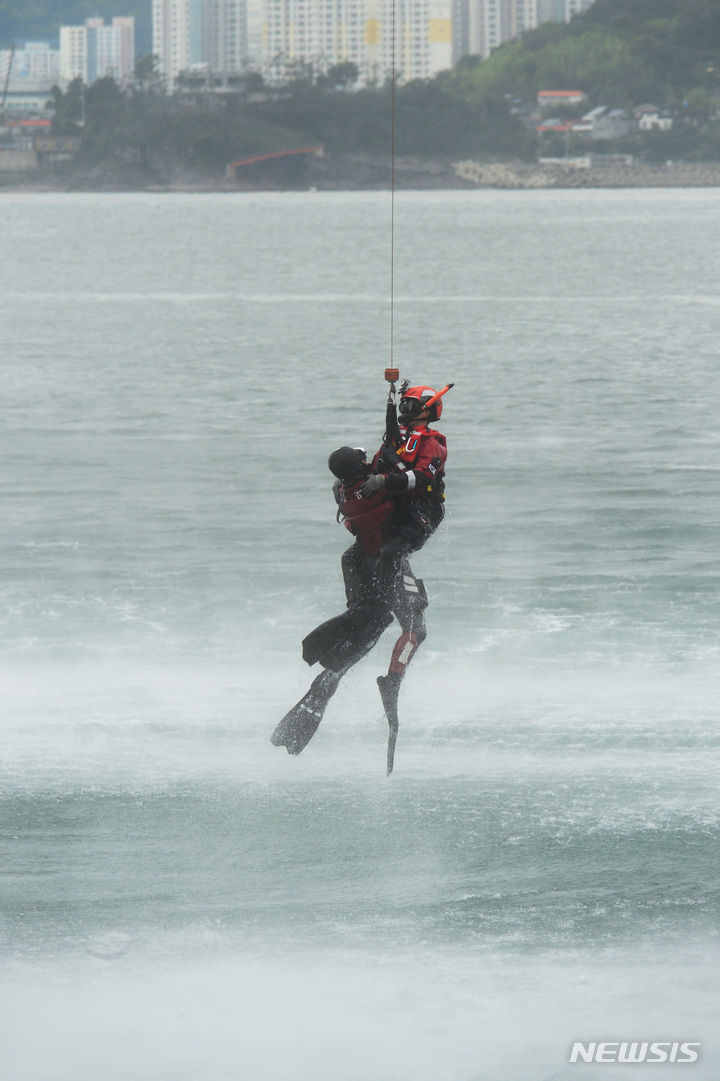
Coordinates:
[401,504]
[391,506]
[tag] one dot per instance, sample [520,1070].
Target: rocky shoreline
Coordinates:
[367,173]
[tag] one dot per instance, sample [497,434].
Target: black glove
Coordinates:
[389,456]
[373,484]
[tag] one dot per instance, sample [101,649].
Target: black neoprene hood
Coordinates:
[347,463]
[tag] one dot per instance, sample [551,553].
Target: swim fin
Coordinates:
[298,727]
[389,687]
[342,641]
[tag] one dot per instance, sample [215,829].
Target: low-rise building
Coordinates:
[564,124]
[554,123]
[27,76]
[26,143]
[613,124]
[17,144]
[651,118]
[550,99]
[29,103]
[37,62]
[53,150]
[605,123]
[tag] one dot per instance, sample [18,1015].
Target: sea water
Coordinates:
[181,901]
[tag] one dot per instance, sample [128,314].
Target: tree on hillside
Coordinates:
[69,108]
[628,14]
[340,76]
[698,25]
[603,65]
[148,76]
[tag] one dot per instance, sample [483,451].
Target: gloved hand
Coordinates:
[389,456]
[373,484]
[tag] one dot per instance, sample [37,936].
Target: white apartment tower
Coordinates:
[322,33]
[423,37]
[73,53]
[95,50]
[523,16]
[177,32]
[212,33]
[225,45]
[123,30]
[491,23]
[319,33]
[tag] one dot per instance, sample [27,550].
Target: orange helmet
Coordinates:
[415,399]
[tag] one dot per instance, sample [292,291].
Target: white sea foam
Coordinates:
[440,1016]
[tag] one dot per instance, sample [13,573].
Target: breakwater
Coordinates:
[588,173]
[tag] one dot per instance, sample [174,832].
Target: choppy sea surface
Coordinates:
[181,901]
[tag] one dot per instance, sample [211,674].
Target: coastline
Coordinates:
[357,172]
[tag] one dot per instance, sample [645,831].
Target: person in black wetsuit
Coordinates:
[391,506]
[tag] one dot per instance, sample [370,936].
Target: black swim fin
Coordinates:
[389,687]
[342,641]
[298,727]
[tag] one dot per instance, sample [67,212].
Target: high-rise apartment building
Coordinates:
[177,36]
[523,16]
[188,33]
[73,53]
[423,37]
[225,45]
[491,22]
[275,37]
[94,50]
[322,33]
[318,33]
[123,32]
[488,25]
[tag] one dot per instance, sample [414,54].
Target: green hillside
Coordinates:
[620,53]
